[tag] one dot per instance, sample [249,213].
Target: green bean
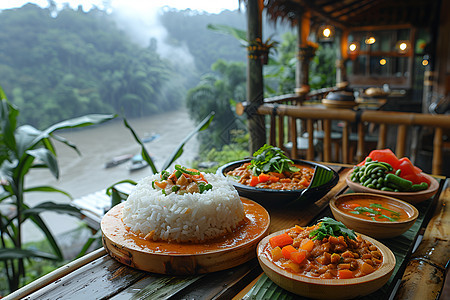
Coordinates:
[401,183]
[419,187]
[387,189]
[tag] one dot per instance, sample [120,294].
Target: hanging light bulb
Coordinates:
[371,40]
[326,33]
[403,46]
[383,61]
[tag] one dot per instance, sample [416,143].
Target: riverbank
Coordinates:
[86,174]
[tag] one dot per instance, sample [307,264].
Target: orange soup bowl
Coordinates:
[320,288]
[375,215]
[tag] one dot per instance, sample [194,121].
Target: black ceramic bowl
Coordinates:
[269,197]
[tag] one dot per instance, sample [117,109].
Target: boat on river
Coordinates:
[150,138]
[137,163]
[118,160]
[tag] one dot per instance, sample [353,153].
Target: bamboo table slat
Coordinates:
[98,276]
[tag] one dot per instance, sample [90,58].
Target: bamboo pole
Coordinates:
[425,273]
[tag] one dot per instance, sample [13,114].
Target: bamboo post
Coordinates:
[401,140]
[327,140]
[255,87]
[437,151]
[382,136]
[425,273]
[293,130]
[361,136]
[345,143]
[310,129]
[280,132]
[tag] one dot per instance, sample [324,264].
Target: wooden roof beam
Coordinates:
[356,8]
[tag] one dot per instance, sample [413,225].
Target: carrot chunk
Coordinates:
[280,240]
[345,274]
[298,256]
[308,245]
[287,250]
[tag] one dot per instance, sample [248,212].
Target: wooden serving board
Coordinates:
[185,258]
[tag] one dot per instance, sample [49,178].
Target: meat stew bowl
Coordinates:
[271,198]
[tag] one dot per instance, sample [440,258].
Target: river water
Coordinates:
[85,174]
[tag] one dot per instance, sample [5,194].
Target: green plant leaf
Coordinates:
[96,237]
[47,158]
[15,253]
[240,35]
[115,197]
[46,188]
[179,150]
[36,219]
[83,121]
[53,207]
[144,152]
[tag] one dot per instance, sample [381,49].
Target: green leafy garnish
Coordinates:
[175,188]
[362,210]
[330,227]
[165,175]
[377,205]
[183,170]
[271,159]
[204,187]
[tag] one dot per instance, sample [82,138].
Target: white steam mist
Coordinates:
[140,21]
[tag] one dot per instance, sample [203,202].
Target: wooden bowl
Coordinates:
[411,197]
[318,288]
[375,229]
[270,198]
[185,258]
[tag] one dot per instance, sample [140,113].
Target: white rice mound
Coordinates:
[183,218]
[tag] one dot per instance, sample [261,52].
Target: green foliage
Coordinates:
[215,92]
[22,149]
[81,62]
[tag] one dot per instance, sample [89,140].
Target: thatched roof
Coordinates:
[358,13]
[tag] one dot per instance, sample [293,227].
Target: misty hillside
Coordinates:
[89,62]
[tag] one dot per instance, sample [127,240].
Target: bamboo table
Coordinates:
[98,276]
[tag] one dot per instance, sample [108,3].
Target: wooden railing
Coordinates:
[284,126]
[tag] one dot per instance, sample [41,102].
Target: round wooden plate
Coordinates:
[411,197]
[183,258]
[318,288]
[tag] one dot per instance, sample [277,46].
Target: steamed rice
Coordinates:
[183,218]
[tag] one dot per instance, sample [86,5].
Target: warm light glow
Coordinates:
[370,40]
[326,32]
[383,61]
[403,46]
[352,47]
[425,62]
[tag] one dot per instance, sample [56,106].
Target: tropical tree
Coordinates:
[216,92]
[23,148]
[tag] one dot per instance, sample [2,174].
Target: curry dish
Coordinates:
[331,257]
[274,180]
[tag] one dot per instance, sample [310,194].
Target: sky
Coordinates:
[210,6]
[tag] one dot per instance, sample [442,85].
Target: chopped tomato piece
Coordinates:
[280,240]
[345,274]
[263,177]
[254,181]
